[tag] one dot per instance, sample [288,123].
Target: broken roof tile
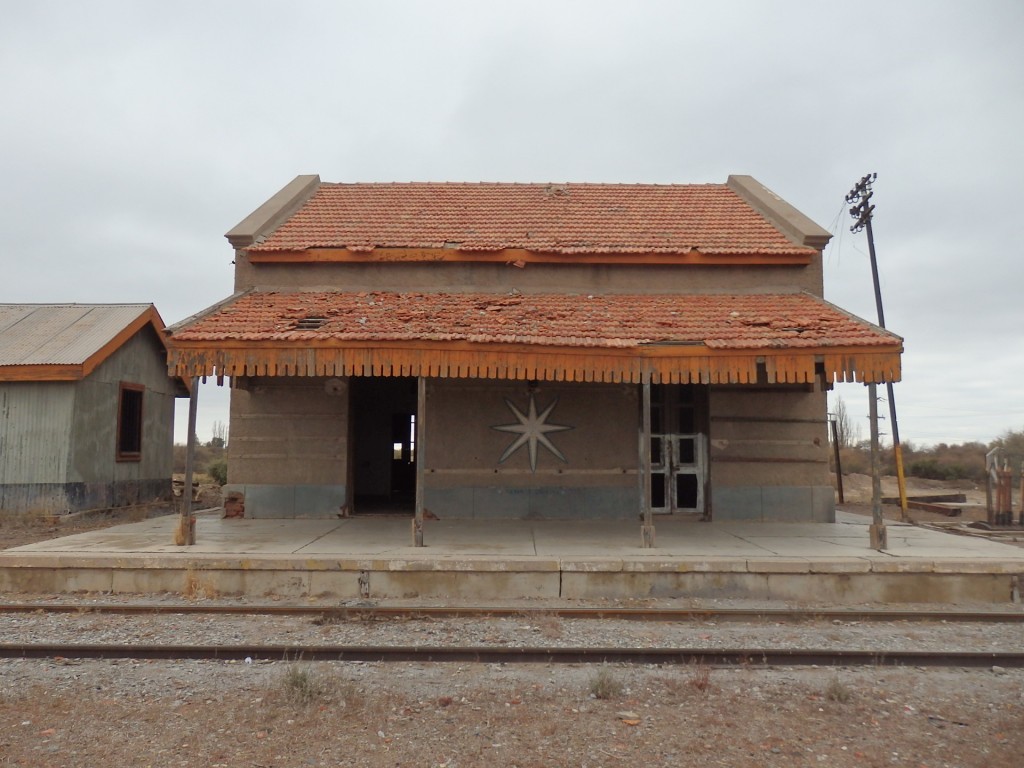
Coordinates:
[579,219]
[721,321]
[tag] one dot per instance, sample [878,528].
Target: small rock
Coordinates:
[997,670]
[627,715]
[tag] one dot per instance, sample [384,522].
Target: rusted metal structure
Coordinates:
[510,351]
[86,407]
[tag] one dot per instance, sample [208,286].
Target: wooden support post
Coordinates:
[1021,497]
[421,413]
[1004,496]
[839,464]
[185,533]
[647,529]
[879,537]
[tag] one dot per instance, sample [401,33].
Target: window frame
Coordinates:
[126,394]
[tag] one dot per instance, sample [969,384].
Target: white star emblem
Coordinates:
[532,430]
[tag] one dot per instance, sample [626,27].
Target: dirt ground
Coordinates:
[61,712]
[209,714]
[27,528]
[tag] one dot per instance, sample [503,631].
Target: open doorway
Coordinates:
[383,418]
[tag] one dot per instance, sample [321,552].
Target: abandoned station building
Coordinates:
[86,407]
[530,351]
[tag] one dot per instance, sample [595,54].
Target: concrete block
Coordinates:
[778,565]
[337,584]
[841,565]
[47,580]
[592,565]
[141,581]
[637,585]
[477,585]
[978,565]
[882,564]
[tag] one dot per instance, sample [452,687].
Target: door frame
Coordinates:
[679,449]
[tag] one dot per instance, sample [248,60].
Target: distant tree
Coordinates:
[220,435]
[848,434]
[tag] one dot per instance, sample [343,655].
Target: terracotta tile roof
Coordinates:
[719,321]
[556,218]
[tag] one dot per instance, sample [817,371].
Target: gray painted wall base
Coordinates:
[774,504]
[783,504]
[60,498]
[285,501]
[532,503]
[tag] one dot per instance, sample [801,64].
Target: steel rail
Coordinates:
[367,613]
[760,657]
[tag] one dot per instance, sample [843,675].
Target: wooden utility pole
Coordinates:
[185,533]
[862,211]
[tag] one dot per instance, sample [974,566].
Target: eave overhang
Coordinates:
[80,370]
[262,335]
[663,364]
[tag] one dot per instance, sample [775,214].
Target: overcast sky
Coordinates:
[133,135]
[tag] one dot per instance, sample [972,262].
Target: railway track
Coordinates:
[759,657]
[384,613]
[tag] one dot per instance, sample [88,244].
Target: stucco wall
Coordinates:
[768,451]
[769,455]
[533,278]
[287,448]
[465,477]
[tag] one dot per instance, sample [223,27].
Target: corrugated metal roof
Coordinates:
[60,334]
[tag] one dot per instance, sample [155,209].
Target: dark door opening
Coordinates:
[383,413]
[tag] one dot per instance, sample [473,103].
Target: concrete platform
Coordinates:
[371,557]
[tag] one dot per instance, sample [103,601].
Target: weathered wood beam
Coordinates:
[647,529]
[519,257]
[421,412]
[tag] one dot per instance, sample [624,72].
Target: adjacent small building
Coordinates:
[531,351]
[86,407]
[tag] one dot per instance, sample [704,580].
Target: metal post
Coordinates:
[421,412]
[879,539]
[185,534]
[647,529]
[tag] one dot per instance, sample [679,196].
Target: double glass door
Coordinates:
[678,448]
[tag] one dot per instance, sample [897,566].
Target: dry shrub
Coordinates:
[700,677]
[197,588]
[550,625]
[604,685]
[304,685]
[838,691]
